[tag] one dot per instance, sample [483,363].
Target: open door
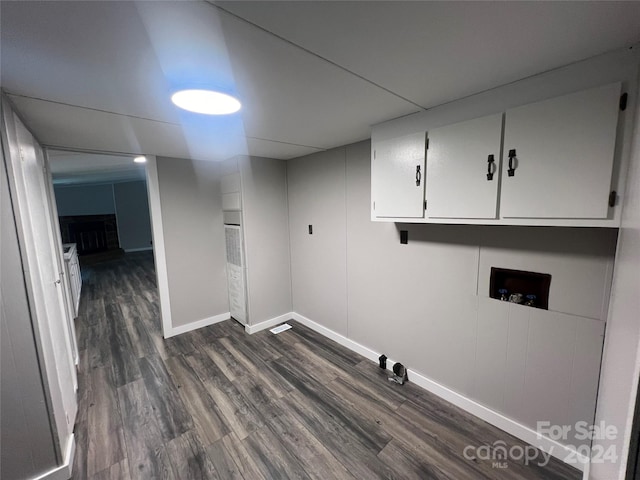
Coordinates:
[71,310]
[36,229]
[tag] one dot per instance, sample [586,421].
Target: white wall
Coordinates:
[194,242]
[127,200]
[266,234]
[426,303]
[318,261]
[84,200]
[616,396]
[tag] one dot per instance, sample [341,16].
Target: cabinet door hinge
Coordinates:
[374,154]
[427,143]
[425,205]
[623,102]
[374,205]
[612,198]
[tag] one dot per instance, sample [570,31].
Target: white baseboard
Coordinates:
[205,322]
[524,433]
[337,337]
[143,249]
[510,426]
[64,471]
[250,329]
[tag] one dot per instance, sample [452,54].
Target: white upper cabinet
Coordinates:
[398,177]
[558,156]
[463,162]
[555,162]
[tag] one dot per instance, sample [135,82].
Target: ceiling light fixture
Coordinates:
[140,159]
[208,102]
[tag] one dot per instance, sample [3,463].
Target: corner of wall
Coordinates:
[157,234]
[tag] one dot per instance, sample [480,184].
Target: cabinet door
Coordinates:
[459,158]
[398,177]
[564,151]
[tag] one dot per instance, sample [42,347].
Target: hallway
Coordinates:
[217,403]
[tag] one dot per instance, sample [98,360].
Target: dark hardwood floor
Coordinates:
[217,403]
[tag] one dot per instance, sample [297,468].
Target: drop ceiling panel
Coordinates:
[91,54]
[85,129]
[434,52]
[60,125]
[292,96]
[120,61]
[126,58]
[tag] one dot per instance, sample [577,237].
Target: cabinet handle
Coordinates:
[490,162]
[512,156]
[418,175]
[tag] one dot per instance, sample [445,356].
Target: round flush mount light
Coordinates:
[208,102]
[140,159]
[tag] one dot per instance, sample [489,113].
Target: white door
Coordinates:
[34,218]
[397,169]
[562,156]
[463,162]
[70,312]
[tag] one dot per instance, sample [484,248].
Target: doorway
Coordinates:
[101,206]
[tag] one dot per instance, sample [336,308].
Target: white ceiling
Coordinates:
[311,75]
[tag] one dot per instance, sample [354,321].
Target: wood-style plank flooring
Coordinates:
[217,403]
